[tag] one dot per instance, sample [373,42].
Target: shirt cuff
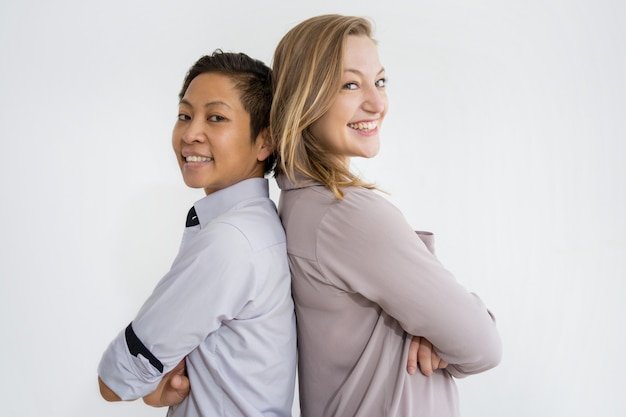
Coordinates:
[129,376]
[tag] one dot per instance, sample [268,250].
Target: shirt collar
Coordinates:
[219,202]
[302,181]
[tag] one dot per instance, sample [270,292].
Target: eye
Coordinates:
[183,117]
[216,118]
[350,86]
[381,83]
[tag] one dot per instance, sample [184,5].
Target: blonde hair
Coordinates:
[307,70]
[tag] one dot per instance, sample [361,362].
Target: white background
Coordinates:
[506,138]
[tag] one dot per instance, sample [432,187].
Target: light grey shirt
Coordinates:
[226,306]
[363,283]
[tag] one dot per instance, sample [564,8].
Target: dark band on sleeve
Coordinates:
[136,347]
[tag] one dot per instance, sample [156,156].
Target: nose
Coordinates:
[194,131]
[375,100]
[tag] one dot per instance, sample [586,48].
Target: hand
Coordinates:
[172,389]
[421,350]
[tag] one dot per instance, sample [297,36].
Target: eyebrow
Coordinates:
[208,104]
[356,71]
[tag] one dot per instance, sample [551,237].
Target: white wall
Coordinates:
[506,137]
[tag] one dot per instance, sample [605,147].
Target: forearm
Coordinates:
[482,352]
[106,392]
[434,305]
[402,275]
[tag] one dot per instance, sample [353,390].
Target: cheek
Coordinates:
[176,139]
[324,129]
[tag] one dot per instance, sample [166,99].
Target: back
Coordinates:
[363,283]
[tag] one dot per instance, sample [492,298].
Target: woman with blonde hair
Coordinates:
[364,283]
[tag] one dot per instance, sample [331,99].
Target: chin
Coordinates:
[370,153]
[192,184]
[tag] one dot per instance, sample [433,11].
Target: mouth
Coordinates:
[363,126]
[197,158]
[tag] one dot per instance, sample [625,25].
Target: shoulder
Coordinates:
[254,221]
[363,199]
[364,208]
[362,214]
[320,201]
[365,223]
[247,236]
[315,209]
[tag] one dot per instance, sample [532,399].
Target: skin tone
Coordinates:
[174,386]
[352,124]
[172,389]
[351,127]
[106,392]
[211,138]
[212,143]
[422,353]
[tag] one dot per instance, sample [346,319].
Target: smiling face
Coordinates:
[351,125]
[212,136]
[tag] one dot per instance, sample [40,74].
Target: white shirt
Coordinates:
[226,306]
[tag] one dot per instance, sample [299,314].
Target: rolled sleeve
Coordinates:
[129,376]
[210,282]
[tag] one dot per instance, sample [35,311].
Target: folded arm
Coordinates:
[401,274]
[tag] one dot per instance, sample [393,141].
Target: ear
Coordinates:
[264,145]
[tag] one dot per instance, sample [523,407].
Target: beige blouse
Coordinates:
[363,283]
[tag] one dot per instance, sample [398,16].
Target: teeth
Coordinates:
[363,125]
[196,158]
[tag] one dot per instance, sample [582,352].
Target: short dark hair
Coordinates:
[252,78]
